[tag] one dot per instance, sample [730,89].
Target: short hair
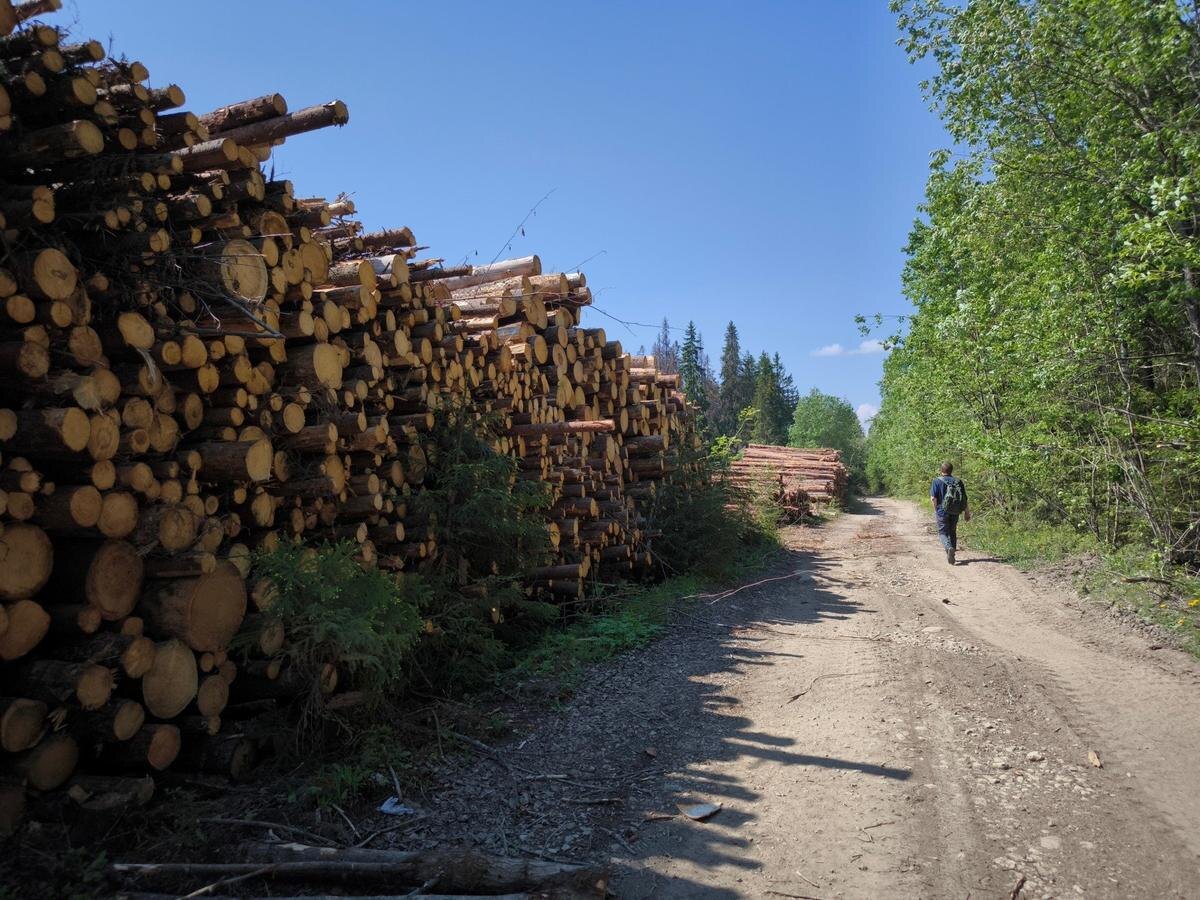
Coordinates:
[947,468]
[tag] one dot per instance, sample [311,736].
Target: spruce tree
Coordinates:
[666,351]
[691,370]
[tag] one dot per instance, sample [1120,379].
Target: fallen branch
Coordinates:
[275,826]
[459,870]
[813,683]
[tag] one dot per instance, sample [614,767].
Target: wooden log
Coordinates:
[236,460]
[236,267]
[108,793]
[50,431]
[279,127]
[205,611]
[172,681]
[132,654]
[245,112]
[22,723]
[28,623]
[57,681]
[154,745]
[232,756]
[49,764]
[119,720]
[26,561]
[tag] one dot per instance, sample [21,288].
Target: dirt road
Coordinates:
[874,723]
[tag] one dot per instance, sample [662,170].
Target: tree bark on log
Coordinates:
[205,612]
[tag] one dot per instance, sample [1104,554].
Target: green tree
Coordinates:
[691,368]
[822,420]
[735,391]
[771,403]
[1054,348]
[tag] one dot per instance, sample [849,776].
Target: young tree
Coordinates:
[691,368]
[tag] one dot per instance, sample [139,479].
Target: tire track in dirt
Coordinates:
[874,724]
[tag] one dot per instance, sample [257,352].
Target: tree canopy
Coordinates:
[822,420]
[1054,345]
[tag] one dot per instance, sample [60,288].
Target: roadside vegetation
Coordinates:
[1053,351]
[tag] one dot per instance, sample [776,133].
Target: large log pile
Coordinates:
[794,479]
[196,362]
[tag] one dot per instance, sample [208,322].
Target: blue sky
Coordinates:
[759,162]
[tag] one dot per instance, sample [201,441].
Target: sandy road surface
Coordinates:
[874,723]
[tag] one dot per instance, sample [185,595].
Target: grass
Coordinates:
[626,621]
[1131,579]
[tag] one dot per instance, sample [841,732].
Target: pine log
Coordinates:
[232,756]
[156,746]
[205,611]
[279,127]
[172,681]
[49,764]
[452,870]
[118,720]
[22,723]
[27,625]
[26,561]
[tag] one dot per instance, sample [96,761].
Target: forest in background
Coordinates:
[753,399]
[1053,350]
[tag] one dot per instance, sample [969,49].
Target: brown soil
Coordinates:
[874,723]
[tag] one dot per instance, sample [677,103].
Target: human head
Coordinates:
[947,468]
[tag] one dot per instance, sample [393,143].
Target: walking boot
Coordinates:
[950,557]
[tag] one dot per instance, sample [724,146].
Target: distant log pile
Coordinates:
[195,362]
[793,479]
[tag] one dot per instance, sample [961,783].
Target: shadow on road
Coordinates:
[648,727]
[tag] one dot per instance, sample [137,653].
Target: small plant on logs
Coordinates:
[337,612]
[490,529]
[707,525]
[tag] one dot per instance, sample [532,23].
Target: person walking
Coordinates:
[949,496]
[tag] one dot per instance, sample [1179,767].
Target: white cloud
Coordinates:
[866,412]
[865,348]
[830,350]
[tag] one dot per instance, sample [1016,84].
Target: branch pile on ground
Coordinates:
[195,362]
[795,479]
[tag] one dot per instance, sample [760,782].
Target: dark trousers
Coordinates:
[948,530]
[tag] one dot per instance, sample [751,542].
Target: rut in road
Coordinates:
[874,723]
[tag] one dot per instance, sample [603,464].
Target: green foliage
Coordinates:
[623,621]
[490,530]
[774,398]
[336,610]
[822,420]
[736,390]
[705,525]
[1054,348]
[1125,578]
[487,521]
[691,368]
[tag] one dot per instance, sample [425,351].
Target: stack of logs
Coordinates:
[794,479]
[194,363]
